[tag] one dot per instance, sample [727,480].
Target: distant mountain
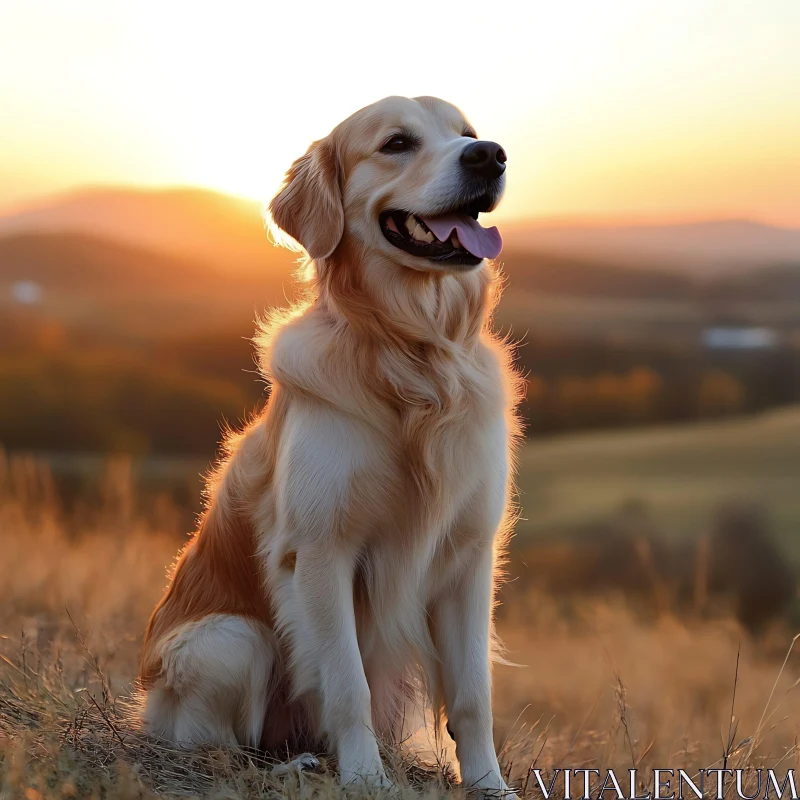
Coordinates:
[712,248]
[228,233]
[225,232]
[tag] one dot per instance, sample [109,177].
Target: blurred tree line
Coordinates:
[63,390]
[580,385]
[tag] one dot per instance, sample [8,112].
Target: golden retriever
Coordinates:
[347,559]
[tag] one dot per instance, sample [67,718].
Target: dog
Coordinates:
[349,554]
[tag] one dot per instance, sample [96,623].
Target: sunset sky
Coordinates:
[616,109]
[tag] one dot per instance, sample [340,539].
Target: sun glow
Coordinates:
[604,108]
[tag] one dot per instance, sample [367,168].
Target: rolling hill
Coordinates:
[711,249]
[228,233]
[118,290]
[69,261]
[174,261]
[225,232]
[89,282]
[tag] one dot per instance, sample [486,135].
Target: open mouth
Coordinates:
[455,237]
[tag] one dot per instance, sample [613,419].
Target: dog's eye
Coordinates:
[469,133]
[399,143]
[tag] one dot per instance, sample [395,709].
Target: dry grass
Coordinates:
[600,688]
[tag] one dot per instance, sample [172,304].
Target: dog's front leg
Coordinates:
[462,619]
[323,583]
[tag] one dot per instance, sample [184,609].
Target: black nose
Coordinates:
[486,159]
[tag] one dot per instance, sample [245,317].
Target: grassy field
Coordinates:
[680,473]
[596,686]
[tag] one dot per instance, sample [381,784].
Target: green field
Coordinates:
[681,473]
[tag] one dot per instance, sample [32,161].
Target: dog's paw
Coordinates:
[303,763]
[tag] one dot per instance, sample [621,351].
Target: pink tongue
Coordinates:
[481,242]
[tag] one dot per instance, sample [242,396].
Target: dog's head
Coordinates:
[406,178]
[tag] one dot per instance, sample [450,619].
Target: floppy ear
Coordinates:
[309,204]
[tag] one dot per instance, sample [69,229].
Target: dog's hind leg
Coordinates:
[215,682]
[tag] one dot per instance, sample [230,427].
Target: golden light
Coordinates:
[605,108]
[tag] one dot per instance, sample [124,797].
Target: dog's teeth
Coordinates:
[411,223]
[421,235]
[454,241]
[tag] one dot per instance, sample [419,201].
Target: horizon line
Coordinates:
[597,221]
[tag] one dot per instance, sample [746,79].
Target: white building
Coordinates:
[739,338]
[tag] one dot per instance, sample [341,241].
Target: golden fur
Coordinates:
[380,462]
